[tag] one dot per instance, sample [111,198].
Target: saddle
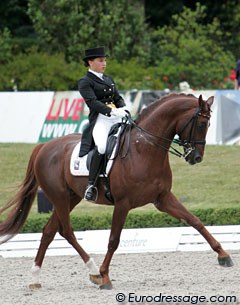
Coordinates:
[80,166]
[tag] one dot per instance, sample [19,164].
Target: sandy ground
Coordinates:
[65,280]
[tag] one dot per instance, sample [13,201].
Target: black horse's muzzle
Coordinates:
[194,157]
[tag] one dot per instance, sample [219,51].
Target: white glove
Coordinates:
[119,112]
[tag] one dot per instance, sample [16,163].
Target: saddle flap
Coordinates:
[79,165]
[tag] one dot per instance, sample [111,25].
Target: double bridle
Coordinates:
[188,144]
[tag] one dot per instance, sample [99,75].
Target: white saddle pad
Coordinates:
[78,166]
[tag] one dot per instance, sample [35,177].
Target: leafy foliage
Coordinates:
[188,51]
[39,71]
[6,46]
[70,26]
[150,219]
[192,47]
[133,75]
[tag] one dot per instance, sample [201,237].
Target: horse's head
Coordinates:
[192,130]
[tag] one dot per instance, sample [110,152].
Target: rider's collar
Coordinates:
[100,75]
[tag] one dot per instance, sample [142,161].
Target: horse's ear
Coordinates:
[210,100]
[200,101]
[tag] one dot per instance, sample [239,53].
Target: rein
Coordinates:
[187,144]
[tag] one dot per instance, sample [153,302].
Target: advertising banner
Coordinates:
[22,115]
[67,114]
[32,117]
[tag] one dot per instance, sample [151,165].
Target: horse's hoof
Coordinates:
[107,286]
[35,286]
[96,279]
[225,261]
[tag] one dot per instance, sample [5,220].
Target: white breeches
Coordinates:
[101,130]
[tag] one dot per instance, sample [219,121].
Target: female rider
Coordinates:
[106,108]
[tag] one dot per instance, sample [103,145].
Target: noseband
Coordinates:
[188,144]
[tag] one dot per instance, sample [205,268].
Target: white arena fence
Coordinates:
[132,241]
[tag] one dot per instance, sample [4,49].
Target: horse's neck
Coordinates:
[161,122]
[161,117]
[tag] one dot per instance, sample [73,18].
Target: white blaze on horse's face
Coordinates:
[195,132]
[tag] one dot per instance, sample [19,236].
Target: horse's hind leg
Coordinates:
[63,213]
[94,273]
[52,227]
[173,207]
[49,232]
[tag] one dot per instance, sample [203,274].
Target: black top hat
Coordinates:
[94,53]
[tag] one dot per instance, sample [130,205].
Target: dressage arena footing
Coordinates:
[65,280]
[169,262]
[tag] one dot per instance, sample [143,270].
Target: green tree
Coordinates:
[6,46]
[229,17]
[190,51]
[70,26]
[39,71]
[159,13]
[13,16]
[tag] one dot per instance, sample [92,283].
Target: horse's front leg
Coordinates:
[119,216]
[173,207]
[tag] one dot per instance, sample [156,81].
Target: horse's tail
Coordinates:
[21,203]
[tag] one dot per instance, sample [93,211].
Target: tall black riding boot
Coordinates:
[94,171]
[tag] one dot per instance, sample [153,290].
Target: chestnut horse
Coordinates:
[141,177]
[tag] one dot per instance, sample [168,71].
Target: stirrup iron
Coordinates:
[95,193]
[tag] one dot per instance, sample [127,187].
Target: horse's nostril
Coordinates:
[198,159]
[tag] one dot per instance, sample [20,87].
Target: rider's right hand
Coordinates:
[119,112]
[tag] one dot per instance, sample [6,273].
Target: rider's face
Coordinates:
[98,64]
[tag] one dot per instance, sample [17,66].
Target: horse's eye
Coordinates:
[202,126]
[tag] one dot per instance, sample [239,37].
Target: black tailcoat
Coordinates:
[97,93]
